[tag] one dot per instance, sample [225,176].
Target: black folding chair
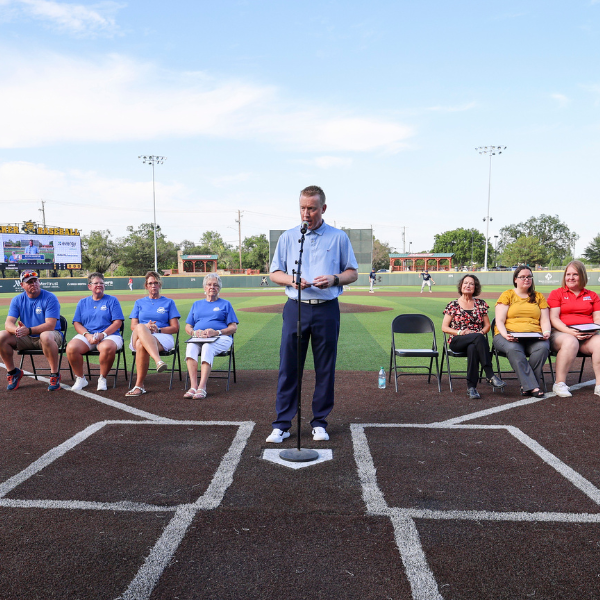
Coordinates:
[174,352]
[230,354]
[447,354]
[116,369]
[414,324]
[61,350]
[580,371]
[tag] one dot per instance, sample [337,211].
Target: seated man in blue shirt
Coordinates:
[33,323]
[97,321]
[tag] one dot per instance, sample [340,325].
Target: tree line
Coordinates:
[133,254]
[543,240]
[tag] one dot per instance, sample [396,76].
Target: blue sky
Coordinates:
[381,103]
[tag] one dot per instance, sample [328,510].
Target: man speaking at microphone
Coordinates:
[328,263]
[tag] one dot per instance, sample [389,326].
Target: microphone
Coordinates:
[304,227]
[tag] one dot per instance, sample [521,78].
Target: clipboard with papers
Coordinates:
[201,340]
[528,334]
[586,327]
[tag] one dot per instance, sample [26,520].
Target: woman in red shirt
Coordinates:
[572,305]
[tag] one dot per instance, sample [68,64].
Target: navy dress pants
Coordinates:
[321,324]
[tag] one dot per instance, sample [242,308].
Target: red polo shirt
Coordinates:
[574,309]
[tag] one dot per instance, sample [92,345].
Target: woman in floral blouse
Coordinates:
[466,322]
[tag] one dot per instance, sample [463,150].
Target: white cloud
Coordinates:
[561,99]
[87,200]
[77,19]
[55,99]
[228,180]
[328,162]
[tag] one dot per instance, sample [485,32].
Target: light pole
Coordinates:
[154,160]
[496,251]
[491,151]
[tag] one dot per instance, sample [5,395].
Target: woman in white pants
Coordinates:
[210,318]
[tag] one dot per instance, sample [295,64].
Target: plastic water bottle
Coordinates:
[381,379]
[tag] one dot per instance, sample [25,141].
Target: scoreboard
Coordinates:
[33,246]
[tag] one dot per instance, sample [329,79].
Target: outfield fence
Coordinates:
[181,282]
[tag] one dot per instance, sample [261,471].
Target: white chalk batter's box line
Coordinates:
[420,576]
[374,499]
[209,500]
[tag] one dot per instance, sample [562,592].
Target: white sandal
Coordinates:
[190,393]
[133,393]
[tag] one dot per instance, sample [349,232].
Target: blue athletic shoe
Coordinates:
[14,380]
[54,383]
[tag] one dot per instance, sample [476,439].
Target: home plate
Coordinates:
[273,456]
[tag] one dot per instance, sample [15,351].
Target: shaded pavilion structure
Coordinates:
[197,263]
[417,261]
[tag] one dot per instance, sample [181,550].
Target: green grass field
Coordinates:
[364,343]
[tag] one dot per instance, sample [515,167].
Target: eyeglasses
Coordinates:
[153,283]
[97,283]
[30,274]
[525,277]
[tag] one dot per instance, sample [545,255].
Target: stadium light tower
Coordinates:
[491,151]
[153,160]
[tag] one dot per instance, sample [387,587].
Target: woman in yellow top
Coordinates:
[523,310]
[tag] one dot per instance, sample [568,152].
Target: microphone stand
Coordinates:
[299,454]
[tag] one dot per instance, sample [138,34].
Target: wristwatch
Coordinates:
[336,280]
[218,332]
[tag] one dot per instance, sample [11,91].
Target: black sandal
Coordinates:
[533,393]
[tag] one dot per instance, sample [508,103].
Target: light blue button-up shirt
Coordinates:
[327,251]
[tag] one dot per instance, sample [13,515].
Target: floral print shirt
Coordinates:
[466,319]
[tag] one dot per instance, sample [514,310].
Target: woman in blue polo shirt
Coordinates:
[154,320]
[210,318]
[573,305]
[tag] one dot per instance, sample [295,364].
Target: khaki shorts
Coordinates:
[35,343]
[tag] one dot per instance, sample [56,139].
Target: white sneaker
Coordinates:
[319,434]
[597,390]
[277,436]
[101,384]
[561,389]
[80,383]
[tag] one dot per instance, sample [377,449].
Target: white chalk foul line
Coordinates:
[497,409]
[150,572]
[120,406]
[580,482]
[422,582]
[113,403]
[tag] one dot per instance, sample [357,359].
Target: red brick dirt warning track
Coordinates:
[427,496]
